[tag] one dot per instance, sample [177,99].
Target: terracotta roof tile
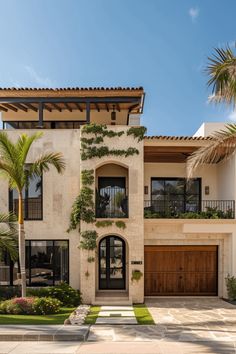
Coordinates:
[166,137]
[71,88]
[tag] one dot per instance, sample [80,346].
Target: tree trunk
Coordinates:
[21,236]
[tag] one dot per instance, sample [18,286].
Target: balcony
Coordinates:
[179,209]
[112,203]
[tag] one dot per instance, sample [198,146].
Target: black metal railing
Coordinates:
[205,209]
[32,208]
[112,203]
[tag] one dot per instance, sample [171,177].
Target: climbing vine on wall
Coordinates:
[83,208]
[89,149]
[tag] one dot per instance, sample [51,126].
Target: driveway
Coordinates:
[194,319]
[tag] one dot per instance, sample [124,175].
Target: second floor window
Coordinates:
[32,199]
[111,198]
[176,195]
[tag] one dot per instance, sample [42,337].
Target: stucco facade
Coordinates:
[157,158]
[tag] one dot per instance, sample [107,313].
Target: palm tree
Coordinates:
[13,161]
[8,235]
[222,72]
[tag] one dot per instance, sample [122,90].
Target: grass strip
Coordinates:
[143,316]
[92,315]
[55,319]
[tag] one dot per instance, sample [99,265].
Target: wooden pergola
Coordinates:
[71,99]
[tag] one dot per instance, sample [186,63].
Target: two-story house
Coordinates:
[157,233]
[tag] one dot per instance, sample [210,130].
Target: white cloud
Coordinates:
[37,79]
[232,116]
[193,13]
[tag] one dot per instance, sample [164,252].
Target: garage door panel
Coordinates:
[180,270]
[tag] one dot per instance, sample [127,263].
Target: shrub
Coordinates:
[46,305]
[8,292]
[66,294]
[38,292]
[231,287]
[30,306]
[18,306]
[63,292]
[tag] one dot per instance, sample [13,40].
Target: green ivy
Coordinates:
[100,129]
[137,132]
[90,259]
[93,151]
[87,177]
[136,275]
[88,241]
[120,224]
[104,223]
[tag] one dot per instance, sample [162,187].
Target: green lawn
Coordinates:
[58,318]
[142,314]
[92,315]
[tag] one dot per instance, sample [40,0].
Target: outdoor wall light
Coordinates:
[145,189]
[207,190]
[113,113]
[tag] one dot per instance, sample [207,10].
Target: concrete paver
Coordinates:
[43,333]
[116,314]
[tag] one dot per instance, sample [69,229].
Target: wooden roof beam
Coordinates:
[47,108]
[22,108]
[30,106]
[67,106]
[10,107]
[97,107]
[79,107]
[3,109]
[56,107]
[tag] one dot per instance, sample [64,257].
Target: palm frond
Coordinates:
[220,147]
[7,148]
[8,235]
[222,72]
[24,143]
[42,164]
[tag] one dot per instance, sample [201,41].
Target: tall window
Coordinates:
[111,199]
[32,199]
[176,195]
[47,262]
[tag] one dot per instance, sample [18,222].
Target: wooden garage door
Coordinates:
[180,270]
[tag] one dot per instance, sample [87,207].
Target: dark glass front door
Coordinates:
[112,263]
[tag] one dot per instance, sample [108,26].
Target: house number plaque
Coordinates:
[136,262]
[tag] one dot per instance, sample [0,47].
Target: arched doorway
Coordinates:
[112,270]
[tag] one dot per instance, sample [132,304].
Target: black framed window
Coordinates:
[32,199]
[8,270]
[111,198]
[47,262]
[176,195]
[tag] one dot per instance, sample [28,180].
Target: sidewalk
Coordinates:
[20,333]
[117,348]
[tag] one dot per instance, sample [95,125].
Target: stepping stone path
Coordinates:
[116,315]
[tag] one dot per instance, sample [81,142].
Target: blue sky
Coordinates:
[161,45]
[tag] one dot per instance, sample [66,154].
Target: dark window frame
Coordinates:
[26,204]
[53,242]
[185,194]
[52,124]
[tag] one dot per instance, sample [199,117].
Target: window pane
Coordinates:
[193,186]
[41,263]
[61,258]
[174,187]
[10,125]
[5,269]
[158,188]
[34,198]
